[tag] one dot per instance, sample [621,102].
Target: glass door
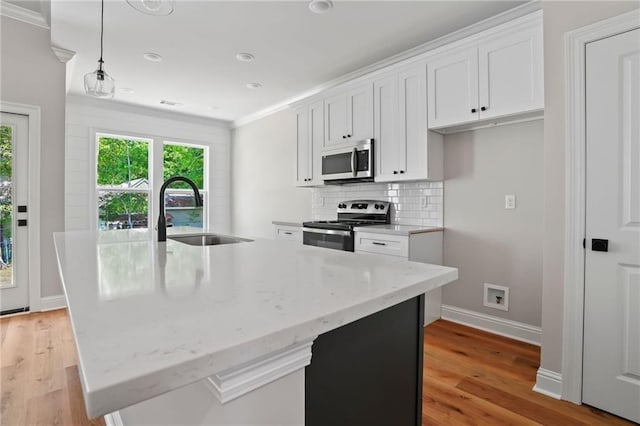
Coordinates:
[14,251]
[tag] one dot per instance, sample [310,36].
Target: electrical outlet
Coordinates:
[423,201]
[509,201]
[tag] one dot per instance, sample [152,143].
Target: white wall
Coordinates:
[559,18]
[488,243]
[31,74]
[263,176]
[86,116]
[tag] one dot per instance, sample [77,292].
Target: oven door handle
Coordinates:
[327,231]
[354,162]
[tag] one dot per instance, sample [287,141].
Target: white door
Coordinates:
[335,115]
[611,372]
[302,143]
[511,74]
[360,113]
[453,88]
[14,249]
[385,143]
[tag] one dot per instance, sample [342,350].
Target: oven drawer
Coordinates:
[283,232]
[393,245]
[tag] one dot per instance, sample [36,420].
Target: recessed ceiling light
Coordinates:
[153,57]
[127,90]
[254,85]
[170,103]
[320,6]
[245,57]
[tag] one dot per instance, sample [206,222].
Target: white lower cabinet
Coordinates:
[425,247]
[287,232]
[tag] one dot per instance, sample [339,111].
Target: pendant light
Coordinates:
[152,7]
[99,83]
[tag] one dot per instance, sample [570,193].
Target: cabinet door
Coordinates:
[412,144]
[511,73]
[360,113]
[385,144]
[453,88]
[316,140]
[303,175]
[335,114]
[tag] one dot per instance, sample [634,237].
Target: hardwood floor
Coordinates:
[39,376]
[470,378]
[476,378]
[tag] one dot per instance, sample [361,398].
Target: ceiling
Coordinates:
[294,49]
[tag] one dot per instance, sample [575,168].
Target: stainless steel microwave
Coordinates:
[352,163]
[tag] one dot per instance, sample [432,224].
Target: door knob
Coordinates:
[598,244]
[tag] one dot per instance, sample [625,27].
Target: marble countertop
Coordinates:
[405,230]
[150,317]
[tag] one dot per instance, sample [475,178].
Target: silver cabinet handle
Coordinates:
[288,233]
[378,244]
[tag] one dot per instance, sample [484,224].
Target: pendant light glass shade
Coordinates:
[99,83]
[152,7]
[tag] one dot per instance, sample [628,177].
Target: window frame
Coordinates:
[155,173]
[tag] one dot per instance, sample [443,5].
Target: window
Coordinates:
[188,161]
[123,182]
[127,177]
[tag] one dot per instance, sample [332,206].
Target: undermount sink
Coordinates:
[207,239]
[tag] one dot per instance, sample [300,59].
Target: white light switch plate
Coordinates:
[509,201]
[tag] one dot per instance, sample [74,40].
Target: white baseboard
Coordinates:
[52,303]
[496,325]
[113,419]
[548,383]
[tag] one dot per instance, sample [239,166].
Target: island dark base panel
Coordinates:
[369,372]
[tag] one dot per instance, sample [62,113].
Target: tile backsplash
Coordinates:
[407,199]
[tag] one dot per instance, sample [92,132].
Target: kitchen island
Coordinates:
[259,332]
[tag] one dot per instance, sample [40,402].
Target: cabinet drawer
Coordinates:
[288,233]
[392,245]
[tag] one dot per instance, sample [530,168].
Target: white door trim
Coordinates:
[33,215]
[575,47]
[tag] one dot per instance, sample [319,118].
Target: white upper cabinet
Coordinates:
[360,113]
[511,74]
[310,137]
[349,116]
[385,143]
[303,173]
[404,149]
[335,113]
[494,74]
[453,88]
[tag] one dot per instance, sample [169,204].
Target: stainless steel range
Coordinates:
[338,234]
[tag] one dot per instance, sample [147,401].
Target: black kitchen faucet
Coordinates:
[162,220]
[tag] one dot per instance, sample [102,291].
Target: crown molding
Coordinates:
[22,14]
[501,18]
[63,55]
